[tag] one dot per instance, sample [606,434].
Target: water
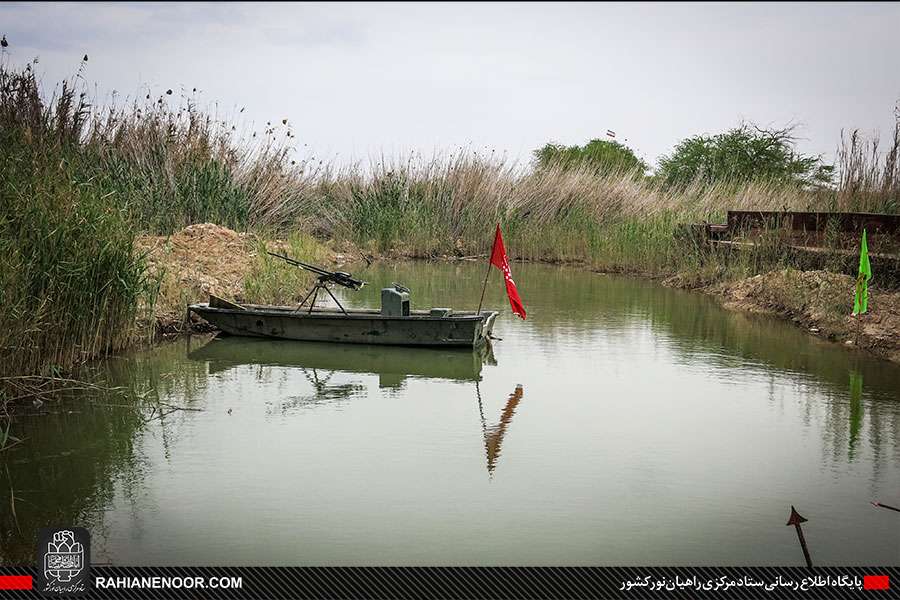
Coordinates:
[652,427]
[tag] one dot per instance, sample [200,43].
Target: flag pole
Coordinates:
[484,287]
[488,274]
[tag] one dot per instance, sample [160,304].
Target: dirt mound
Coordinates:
[192,263]
[205,259]
[817,295]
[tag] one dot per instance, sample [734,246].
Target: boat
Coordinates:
[436,327]
[394,325]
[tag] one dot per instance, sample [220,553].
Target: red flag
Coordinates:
[501,261]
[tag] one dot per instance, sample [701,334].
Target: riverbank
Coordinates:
[210,259]
[817,301]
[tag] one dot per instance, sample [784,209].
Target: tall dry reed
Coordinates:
[869,176]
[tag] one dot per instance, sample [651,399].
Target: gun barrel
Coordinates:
[344,279]
[300,264]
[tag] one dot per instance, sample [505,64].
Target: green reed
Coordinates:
[69,279]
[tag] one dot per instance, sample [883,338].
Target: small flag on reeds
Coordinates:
[861,298]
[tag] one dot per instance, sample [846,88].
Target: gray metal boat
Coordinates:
[393,325]
[416,328]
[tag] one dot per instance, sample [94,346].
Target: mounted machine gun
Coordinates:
[325,277]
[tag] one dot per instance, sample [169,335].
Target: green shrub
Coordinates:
[598,156]
[740,155]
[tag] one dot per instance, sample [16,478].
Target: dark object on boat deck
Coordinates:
[216,302]
[394,303]
[325,277]
[795,520]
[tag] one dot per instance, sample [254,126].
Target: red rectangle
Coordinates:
[876,582]
[15,582]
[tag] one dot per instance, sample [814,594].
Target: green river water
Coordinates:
[652,428]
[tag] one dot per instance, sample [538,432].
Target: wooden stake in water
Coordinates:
[795,520]
[880,505]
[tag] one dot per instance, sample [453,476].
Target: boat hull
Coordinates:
[356,327]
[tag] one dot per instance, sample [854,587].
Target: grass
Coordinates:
[611,221]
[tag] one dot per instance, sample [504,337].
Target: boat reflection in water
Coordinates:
[392,364]
[320,361]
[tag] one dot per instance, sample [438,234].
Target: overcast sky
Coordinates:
[359,79]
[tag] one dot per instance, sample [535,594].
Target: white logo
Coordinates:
[65,557]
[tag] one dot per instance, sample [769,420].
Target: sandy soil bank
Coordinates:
[818,301]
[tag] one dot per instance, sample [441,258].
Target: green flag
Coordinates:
[861,300]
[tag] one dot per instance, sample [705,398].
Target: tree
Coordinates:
[745,153]
[600,156]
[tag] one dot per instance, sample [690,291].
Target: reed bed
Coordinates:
[448,205]
[79,181]
[869,176]
[69,280]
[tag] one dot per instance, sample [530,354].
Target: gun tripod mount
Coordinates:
[320,284]
[324,278]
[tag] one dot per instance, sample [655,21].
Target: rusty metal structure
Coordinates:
[811,239]
[873,223]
